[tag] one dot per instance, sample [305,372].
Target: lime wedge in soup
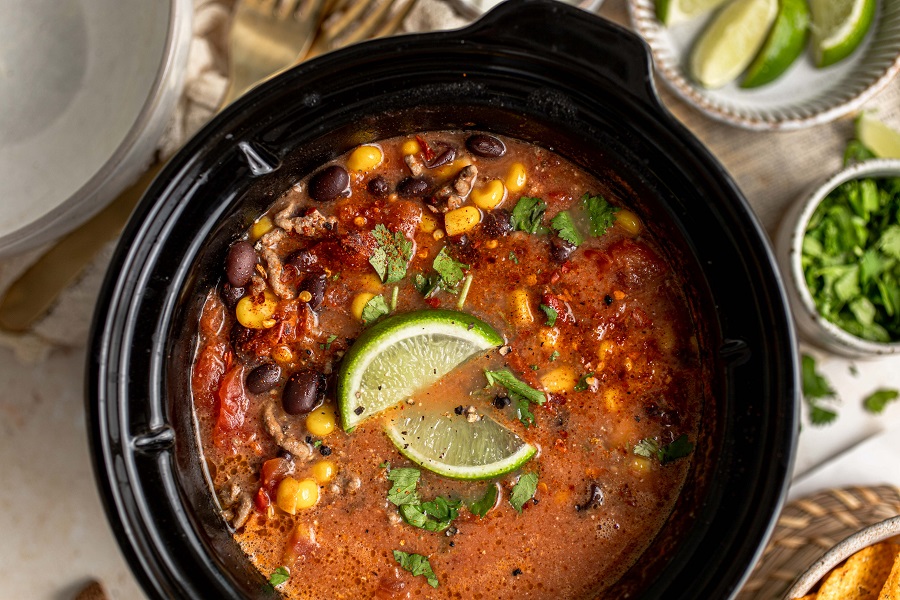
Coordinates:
[404,354]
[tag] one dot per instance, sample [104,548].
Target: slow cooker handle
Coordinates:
[565,34]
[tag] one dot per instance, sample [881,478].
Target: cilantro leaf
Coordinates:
[650,448]
[450,271]
[528,214]
[601,213]
[427,285]
[554,356]
[391,255]
[404,489]
[513,257]
[551,315]
[889,243]
[816,389]
[565,228]
[523,491]
[583,384]
[432,516]
[279,576]
[879,399]
[505,378]
[523,412]
[647,447]
[374,309]
[856,152]
[483,505]
[417,565]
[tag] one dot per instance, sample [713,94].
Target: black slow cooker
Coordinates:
[532,69]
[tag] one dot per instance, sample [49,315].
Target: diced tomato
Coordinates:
[563,311]
[206,376]
[262,501]
[301,543]
[273,471]
[233,406]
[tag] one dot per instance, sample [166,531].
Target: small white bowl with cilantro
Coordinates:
[839,249]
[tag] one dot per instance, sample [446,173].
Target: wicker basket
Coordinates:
[809,527]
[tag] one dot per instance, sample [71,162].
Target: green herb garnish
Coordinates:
[374,309]
[513,257]
[417,565]
[565,228]
[484,504]
[816,389]
[328,342]
[856,152]
[427,285]
[435,515]
[878,400]
[528,214]
[650,448]
[404,489]
[391,255]
[520,393]
[279,576]
[583,384]
[554,355]
[601,213]
[551,315]
[450,271]
[523,491]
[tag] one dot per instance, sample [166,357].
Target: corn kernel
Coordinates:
[461,220]
[619,295]
[304,296]
[560,379]
[516,178]
[411,147]
[490,195]
[324,471]
[453,168]
[365,158]
[294,495]
[628,221]
[437,234]
[262,226]
[428,223]
[531,279]
[640,464]
[520,308]
[257,315]
[612,397]
[359,303]
[359,221]
[491,244]
[549,336]
[282,354]
[370,282]
[322,421]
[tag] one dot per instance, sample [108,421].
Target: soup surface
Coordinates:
[365,442]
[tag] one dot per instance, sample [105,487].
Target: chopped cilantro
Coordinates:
[534,367]
[601,213]
[481,506]
[523,409]
[523,491]
[816,390]
[328,342]
[565,228]
[450,271]
[375,309]
[392,254]
[650,448]
[317,443]
[435,515]
[877,400]
[528,214]
[520,393]
[427,285]
[856,152]
[385,465]
[404,489]
[279,576]
[417,565]
[551,315]
[554,356]
[513,257]
[582,384]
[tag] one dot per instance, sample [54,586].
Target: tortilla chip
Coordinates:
[862,576]
[891,589]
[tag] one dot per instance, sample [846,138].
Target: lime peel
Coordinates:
[839,27]
[882,140]
[783,46]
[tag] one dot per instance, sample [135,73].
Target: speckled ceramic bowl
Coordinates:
[803,96]
[868,536]
[788,248]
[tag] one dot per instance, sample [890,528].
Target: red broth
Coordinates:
[614,349]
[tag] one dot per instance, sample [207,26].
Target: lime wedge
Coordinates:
[404,354]
[672,12]
[783,45]
[839,27]
[453,447]
[731,40]
[883,141]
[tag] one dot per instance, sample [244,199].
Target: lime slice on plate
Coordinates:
[883,141]
[731,40]
[403,354]
[672,12]
[451,446]
[782,47]
[839,27]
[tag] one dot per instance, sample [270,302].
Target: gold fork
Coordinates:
[358,20]
[266,37]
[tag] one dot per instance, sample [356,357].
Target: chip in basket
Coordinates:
[872,573]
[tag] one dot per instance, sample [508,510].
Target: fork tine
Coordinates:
[396,20]
[369,25]
[335,29]
[286,9]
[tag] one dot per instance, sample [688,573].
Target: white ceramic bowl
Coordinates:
[856,542]
[803,96]
[86,89]
[788,248]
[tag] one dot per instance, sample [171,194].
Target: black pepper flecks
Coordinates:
[502,401]
[358,410]
[608,299]
[324,450]
[517,571]
[459,409]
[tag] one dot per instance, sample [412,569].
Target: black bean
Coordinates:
[230,294]
[443,158]
[329,184]
[560,250]
[497,223]
[239,263]
[302,260]
[324,450]
[411,186]
[502,401]
[378,187]
[303,392]
[485,145]
[263,378]
[314,283]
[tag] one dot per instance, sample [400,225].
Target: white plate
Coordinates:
[86,88]
[803,96]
